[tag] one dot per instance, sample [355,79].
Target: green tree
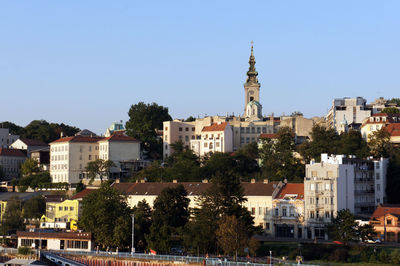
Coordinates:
[98,168]
[190,119]
[390,110]
[352,143]
[278,157]
[183,164]
[379,143]
[323,140]
[232,235]
[34,207]
[12,218]
[106,214]
[47,132]
[365,232]
[14,129]
[155,172]
[170,214]
[29,167]
[393,178]
[80,187]
[142,214]
[344,227]
[144,120]
[395,100]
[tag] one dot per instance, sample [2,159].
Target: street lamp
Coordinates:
[270,258]
[133,233]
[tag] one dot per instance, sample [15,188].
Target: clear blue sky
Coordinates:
[86,62]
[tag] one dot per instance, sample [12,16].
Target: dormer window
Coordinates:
[377,119]
[371,119]
[384,119]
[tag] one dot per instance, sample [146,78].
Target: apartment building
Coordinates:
[63,214]
[259,196]
[6,138]
[214,138]
[288,211]
[376,122]
[350,111]
[70,155]
[10,162]
[339,182]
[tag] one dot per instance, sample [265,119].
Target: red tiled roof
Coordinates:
[215,127]
[268,136]
[33,142]
[192,188]
[293,189]
[11,152]
[82,194]
[386,209]
[393,129]
[119,137]
[78,138]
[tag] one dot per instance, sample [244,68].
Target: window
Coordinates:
[166,138]
[71,208]
[180,129]
[284,211]
[180,137]
[90,148]
[205,144]
[217,144]
[258,130]
[81,148]
[186,129]
[291,211]
[192,128]
[264,130]
[311,214]
[389,221]
[378,187]
[90,157]
[211,145]
[312,186]
[60,208]
[65,208]
[241,140]
[166,146]
[378,176]
[193,137]
[267,226]
[253,211]
[276,212]
[326,214]
[186,138]
[166,128]
[260,211]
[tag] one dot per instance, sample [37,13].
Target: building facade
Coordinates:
[10,163]
[70,155]
[6,138]
[28,145]
[376,122]
[288,212]
[385,221]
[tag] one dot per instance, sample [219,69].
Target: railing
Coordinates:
[184,259]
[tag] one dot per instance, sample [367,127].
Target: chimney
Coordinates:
[205,181]
[253,181]
[265,181]
[174,181]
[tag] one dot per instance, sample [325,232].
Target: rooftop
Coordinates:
[215,127]
[11,152]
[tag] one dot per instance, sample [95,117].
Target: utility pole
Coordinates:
[133,233]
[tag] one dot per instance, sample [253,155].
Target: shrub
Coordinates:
[383,256]
[395,257]
[339,255]
[24,250]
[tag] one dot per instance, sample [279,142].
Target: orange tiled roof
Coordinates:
[11,152]
[268,136]
[386,209]
[215,127]
[293,189]
[119,137]
[393,129]
[78,138]
[83,193]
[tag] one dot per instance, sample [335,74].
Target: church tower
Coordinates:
[252,107]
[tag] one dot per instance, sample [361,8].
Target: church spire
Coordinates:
[252,73]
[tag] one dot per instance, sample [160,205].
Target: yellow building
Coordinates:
[63,215]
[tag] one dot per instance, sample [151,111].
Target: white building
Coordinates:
[6,138]
[70,155]
[28,145]
[352,111]
[339,182]
[214,138]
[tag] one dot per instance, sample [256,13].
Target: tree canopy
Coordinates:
[144,120]
[98,168]
[169,216]
[106,214]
